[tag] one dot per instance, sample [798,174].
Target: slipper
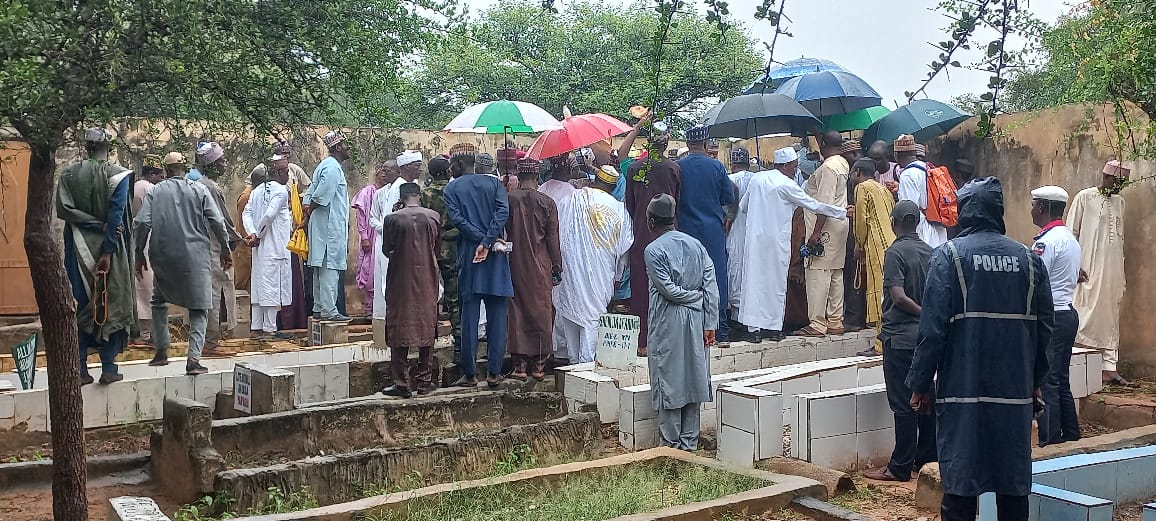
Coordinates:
[883,474]
[1118,380]
[808,331]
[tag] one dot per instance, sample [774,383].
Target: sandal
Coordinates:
[1118,380]
[808,331]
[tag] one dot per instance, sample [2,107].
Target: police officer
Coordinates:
[985,327]
[1060,251]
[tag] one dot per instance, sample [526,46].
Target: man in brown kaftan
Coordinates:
[410,238]
[536,267]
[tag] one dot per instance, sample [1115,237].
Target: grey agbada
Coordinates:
[181,235]
[986,322]
[683,303]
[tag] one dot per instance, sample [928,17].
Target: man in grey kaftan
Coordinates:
[684,310]
[183,220]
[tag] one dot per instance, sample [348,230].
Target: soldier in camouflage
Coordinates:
[433,197]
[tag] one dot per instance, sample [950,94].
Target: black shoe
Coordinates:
[159,360]
[870,351]
[465,381]
[108,378]
[423,390]
[195,368]
[398,391]
[755,337]
[86,379]
[281,335]
[776,336]
[317,315]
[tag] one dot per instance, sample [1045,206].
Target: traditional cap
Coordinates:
[258,174]
[904,143]
[1050,193]
[682,151]
[662,205]
[281,148]
[332,138]
[209,152]
[408,157]
[438,164]
[712,144]
[851,145]
[147,170]
[864,164]
[920,150]
[485,160]
[407,189]
[529,166]
[96,135]
[607,174]
[174,158]
[463,149]
[278,157]
[740,156]
[905,211]
[698,133]
[1116,169]
[785,155]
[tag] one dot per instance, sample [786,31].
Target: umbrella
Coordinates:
[830,92]
[787,70]
[858,120]
[753,115]
[577,132]
[498,117]
[924,119]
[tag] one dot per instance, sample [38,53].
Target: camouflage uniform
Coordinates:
[433,197]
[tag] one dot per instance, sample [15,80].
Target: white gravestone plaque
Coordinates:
[617,340]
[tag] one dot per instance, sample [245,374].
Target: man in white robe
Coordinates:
[269,225]
[913,187]
[744,171]
[384,199]
[769,206]
[1096,218]
[596,234]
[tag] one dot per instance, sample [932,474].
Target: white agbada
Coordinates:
[736,239]
[769,205]
[595,234]
[557,190]
[267,216]
[913,187]
[383,200]
[1098,223]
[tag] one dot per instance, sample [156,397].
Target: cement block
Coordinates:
[748,361]
[30,408]
[315,356]
[736,446]
[179,387]
[873,448]
[606,395]
[274,390]
[96,404]
[1150,512]
[336,381]
[129,508]
[7,406]
[122,403]
[310,383]
[206,386]
[835,452]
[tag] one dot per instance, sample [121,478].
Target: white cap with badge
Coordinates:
[1050,193]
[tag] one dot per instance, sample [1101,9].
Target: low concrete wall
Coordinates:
[381,442]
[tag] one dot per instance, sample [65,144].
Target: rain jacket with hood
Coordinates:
[986,322]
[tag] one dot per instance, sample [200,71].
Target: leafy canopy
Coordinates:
[263,62]
[589,56]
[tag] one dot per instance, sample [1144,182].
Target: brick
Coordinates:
[96,404]
[30,408]
[336,381]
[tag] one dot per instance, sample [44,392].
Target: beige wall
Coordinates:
[1068,146]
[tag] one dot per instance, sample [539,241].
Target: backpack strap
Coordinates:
[958,272]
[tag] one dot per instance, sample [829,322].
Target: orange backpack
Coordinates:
[942,203]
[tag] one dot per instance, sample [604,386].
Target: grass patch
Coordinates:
[614,492]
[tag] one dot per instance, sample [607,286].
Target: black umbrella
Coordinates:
[754,115]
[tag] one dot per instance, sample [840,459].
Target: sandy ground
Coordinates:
[35,504]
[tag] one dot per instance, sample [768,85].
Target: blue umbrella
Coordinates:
[925,119]
[785,71]
[830,92]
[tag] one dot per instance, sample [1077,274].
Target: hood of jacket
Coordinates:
[981,206]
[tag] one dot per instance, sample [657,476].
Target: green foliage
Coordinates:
[589,56]
[521,458]
[263,62]
[208,508]
[277,501]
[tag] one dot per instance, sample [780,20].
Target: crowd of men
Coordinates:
[703,254]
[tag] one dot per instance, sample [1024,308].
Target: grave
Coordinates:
[776,492]
[836,409]
[337,448]
[129,508]
[739,357]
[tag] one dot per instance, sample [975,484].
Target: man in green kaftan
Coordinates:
[92,198]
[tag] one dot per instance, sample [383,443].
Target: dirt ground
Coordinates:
[104,441]
[35,504]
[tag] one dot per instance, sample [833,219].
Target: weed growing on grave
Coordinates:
[207,508]
[213,508]
[858,496]
[277,501]
[35,455]
[521,458]
[412,480]
[606,494]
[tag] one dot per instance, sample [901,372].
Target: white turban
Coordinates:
[407,157]
[785,155]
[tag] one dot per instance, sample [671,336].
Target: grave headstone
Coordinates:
[272,390]
[322,332]
[617,340]
[132,508]
[24,354]
[243,388]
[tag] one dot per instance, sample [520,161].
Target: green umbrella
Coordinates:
[858,120]
[497,117]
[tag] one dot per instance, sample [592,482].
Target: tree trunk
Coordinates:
[58,319]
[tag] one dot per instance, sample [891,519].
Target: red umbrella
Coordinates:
[577,132]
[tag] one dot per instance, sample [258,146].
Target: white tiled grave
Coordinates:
[322,375]
[739,357]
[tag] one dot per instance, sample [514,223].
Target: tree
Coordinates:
[589,56]
[1103,52]
[264,63]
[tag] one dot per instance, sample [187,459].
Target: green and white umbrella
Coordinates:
[497,117]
